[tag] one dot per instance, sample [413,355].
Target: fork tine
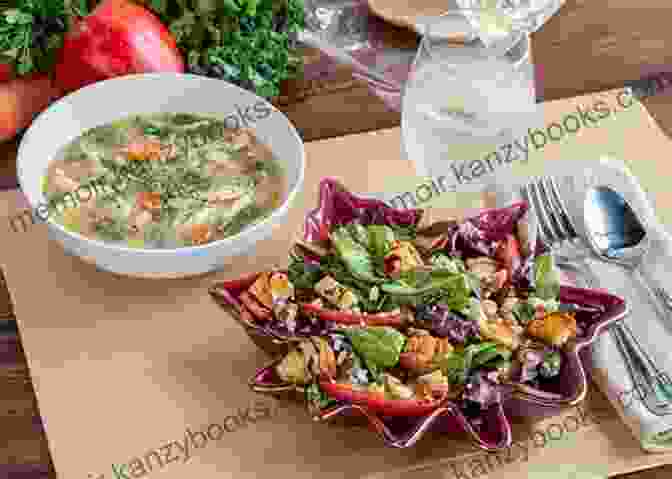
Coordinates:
[524,190]
[544,223]
[555,209]
[565,218]
[550,210]
[542,234]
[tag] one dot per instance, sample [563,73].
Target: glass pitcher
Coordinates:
[465,100]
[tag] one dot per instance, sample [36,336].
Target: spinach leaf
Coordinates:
[303,275]
[380,239]
[379,346]
[355,256]
[431,287]
[458,365]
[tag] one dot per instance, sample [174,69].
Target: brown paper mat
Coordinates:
[125,369]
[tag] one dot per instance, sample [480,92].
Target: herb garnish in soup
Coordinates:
[163,181]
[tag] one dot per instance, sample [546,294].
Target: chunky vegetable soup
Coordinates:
[163,181]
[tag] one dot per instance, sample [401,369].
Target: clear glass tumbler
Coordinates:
[464,101]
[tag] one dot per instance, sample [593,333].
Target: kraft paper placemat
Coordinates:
[127,370]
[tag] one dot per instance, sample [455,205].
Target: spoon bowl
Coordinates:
[613,230]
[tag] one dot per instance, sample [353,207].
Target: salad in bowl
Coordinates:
[419,324]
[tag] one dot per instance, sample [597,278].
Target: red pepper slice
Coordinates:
[379,319]
[245,314]
[259,311]
[501,277]
[236,286]
[376,403]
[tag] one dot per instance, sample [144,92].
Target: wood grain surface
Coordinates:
[590,45]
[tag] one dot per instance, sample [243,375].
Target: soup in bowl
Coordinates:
[160,175]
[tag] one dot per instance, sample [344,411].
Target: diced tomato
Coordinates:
[143,150]
[392,265]
[440,242]
[148,200]
[379,319]
[508,253]
[376,403]
[200,234]
[324,232]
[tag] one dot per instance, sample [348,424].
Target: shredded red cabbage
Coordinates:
[478,236]
[337,206]
[446,323]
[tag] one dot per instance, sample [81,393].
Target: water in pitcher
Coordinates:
[458,106]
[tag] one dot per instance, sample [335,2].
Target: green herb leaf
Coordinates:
[246,42]
[31,33]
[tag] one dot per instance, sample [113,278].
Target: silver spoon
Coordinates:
[616,235]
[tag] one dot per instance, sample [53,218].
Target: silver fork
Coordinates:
[555,230]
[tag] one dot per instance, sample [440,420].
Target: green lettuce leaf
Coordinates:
[380,239]
[379,346]
[354,255]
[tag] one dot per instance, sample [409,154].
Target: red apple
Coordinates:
[117,38]
[6,72]
[21,99]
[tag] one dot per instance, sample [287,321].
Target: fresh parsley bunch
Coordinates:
[251,43]
[31,32]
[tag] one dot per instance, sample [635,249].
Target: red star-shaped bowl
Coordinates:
[401,423]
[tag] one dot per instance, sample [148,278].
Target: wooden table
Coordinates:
[590,45]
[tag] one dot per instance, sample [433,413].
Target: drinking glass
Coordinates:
[464,101]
